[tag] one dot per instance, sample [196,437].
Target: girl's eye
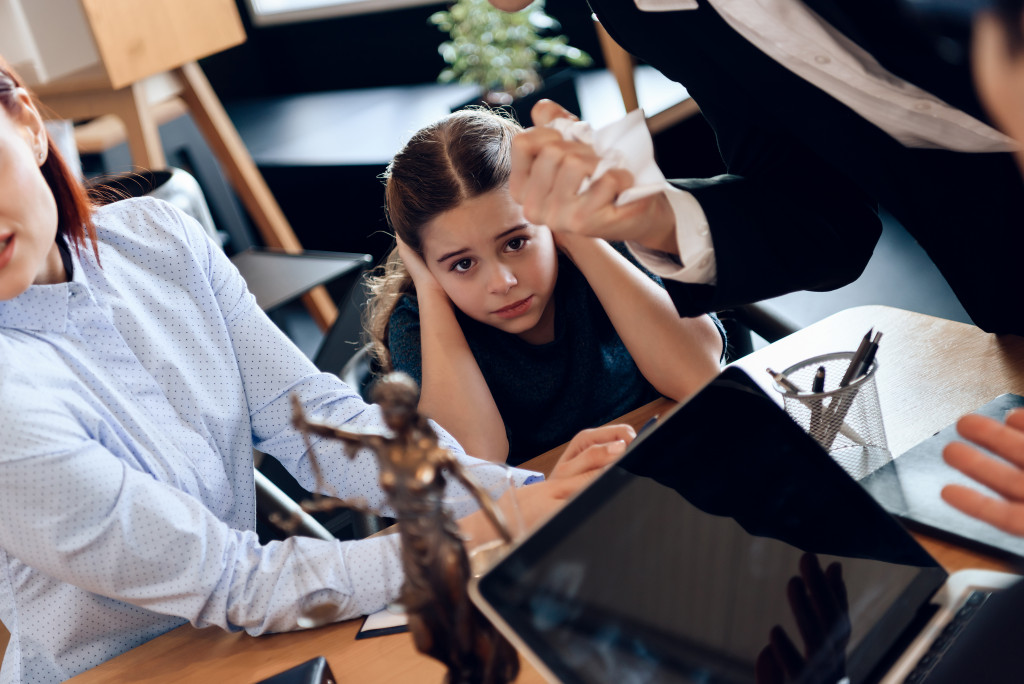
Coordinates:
[515,244]
[462,265]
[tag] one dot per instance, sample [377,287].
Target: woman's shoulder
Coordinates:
[146,216]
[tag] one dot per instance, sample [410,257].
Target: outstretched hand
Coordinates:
[1004,477]
[547,172]
[588,455]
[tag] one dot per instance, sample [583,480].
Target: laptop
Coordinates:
[725,546]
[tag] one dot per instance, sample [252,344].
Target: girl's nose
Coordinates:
[502,280]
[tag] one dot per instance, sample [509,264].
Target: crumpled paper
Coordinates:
[624,144]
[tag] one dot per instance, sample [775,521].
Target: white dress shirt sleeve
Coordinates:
[696,263]
[70,509]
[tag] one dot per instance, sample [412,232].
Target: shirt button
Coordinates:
[922,106]
[822,59]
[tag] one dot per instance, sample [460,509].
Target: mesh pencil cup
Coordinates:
[845,421]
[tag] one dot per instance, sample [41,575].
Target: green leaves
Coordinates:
[500,50]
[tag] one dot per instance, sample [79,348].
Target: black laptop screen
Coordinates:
[724,547]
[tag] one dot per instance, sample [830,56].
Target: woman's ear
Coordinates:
[33,128]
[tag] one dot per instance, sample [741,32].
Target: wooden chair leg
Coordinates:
[222,137]
[621,64]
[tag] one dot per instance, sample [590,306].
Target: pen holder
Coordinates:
[845,421]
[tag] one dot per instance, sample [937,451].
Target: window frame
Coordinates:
[337,8]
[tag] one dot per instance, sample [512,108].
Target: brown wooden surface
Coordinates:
[931,371]
[138,39]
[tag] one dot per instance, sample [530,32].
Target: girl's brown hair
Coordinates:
[74,209]
[464,155]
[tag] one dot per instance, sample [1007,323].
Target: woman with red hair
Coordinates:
[137,374]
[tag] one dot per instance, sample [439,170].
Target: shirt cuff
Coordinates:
[533,479]
[696,261]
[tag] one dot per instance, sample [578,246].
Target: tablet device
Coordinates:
[721,534]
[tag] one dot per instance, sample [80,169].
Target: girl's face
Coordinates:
[28,212]
[495,267]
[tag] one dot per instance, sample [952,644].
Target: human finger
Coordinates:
[820,591]
[599,435]
[767,669]
[808,621]
[1015,419]
[1003,515]
[594,457]
[596,213]
[526,146]
[634,220]
[991,434]
[554,182]
[578,162]
[546,111]
[786,652]
[1001,477]
[834,575]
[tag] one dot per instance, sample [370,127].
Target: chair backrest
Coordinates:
[172,185]
[344,339]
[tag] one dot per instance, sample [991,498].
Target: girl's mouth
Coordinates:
[515,309]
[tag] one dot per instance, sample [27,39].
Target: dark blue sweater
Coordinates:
[545,393]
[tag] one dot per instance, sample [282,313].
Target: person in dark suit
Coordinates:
[824,110]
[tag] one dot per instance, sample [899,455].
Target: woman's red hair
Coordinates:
[74,209]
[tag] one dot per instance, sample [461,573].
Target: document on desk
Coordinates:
[391,620]
[909,487]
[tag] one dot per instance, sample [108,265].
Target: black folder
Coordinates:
[909,487]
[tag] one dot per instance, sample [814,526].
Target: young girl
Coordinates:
[137,373]
[518,338]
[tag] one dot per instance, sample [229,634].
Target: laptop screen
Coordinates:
[725,546]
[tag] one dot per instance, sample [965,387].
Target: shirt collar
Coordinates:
[44,308]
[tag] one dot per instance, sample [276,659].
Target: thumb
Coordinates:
[547,110]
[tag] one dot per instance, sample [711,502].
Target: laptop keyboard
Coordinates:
[946,637]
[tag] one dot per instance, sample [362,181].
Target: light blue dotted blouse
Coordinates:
[130,401]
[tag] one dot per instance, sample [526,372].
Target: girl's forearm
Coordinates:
[454,392]
[677,355]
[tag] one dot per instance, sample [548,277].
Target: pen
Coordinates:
[651,421]
[784,381]
[869,357]
[817,387]
[818,384]
[858,357]
[846,402]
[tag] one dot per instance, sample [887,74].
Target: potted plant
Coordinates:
[505,53]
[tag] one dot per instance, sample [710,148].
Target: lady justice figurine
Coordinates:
[443,621]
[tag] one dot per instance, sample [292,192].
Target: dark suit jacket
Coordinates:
[806,174]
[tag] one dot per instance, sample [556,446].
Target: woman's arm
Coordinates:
[677,355]
[453,392]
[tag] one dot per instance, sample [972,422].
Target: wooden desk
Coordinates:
[931,371]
